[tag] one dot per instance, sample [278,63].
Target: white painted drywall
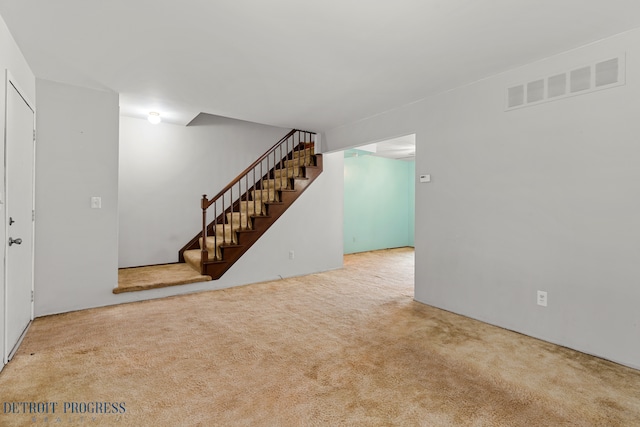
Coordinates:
[311,227]
[164,171]
[540,198]
[10,59]
[76,246]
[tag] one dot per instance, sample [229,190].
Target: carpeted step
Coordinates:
[225,232]
[278,183]
[229,238]
[290,172]
[299,161]
[216,243]
[228,231]
[268,195]
[192,257]
[157,276]
[224,235]
[239,220]
[307,152]
[252,207]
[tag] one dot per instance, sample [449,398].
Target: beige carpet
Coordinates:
[341,348]
[156,276]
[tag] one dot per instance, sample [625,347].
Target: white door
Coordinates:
[19,161]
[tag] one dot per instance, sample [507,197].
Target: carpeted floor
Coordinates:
[342,348]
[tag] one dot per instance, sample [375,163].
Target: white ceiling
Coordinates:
[313,65]
[400,148]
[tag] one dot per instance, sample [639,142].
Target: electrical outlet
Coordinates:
[542,298]
[292,254]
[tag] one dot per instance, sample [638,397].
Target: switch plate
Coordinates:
[96,203]
[425,178]
[542,298]
[292,255]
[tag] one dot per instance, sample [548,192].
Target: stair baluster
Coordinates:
[224,228]
[203,251]
[215,232]
[245,197]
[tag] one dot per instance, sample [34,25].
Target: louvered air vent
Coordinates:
[577,81]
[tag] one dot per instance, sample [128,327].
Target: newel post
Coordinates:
[204,254]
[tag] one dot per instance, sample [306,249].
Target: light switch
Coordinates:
[96,203]
[425,178]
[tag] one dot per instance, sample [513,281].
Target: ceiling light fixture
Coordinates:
[154,117]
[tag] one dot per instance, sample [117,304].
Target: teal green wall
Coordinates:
[378,202]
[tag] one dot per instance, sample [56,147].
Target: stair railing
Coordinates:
[251,179]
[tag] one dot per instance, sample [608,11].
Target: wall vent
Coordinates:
[557,85]
[607,72]
[580,79]
[577,81]
[516,96]
[535,91]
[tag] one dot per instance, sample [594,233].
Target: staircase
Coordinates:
[246,208]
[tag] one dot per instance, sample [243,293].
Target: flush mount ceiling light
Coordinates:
[154,117]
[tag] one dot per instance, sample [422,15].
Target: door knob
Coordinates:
[11,221]
[16,241]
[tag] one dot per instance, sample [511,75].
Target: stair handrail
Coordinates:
[253,165]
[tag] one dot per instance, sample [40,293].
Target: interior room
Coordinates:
[501,269]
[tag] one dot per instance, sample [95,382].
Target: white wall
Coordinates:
[10,59]
[312,227]
[164,171]
[540,198]
[76,246]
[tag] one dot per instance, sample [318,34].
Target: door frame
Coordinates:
[7,353]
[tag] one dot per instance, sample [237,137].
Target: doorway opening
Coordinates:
[379,195]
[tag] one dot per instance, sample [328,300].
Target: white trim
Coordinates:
[15,348]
